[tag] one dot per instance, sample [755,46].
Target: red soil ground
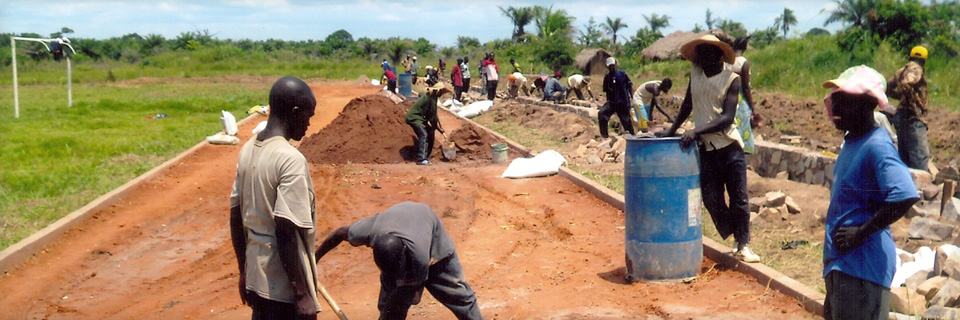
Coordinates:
[531,248]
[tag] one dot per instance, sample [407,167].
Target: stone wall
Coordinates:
[799,164]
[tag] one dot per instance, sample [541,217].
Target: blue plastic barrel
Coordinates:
[405,85]
[664,238]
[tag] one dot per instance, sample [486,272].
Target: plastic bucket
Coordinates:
[499,153]
[664,237]
[405,86]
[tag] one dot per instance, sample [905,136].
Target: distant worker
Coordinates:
[483,73]
[577,83]
[413,252]
[493,76]
[442,66]
[414,70]
[273,218]
[456,76]
[432,77]
[909,85]
[406,65]
[539,84]
[747,116]
[391,80]
[385,65]
[872,189]
[553,90]
[712,97]
[646,99]
[515,65]
[518,83]
[617,86]
[422,117]
[465,68]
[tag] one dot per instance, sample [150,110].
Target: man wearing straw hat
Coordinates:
[712,98]
[422,117]
[872,189]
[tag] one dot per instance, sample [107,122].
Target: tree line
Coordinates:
[548,35]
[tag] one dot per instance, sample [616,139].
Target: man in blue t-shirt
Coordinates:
[872,189]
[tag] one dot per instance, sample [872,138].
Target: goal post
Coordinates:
[13,63]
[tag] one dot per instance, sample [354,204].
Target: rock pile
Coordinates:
[608,150]
[937,216]
[927,283]
[773,205]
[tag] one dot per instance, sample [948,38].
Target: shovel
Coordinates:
[449,148]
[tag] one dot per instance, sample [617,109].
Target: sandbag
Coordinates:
[475,109]
[260,126]
[223,139]
[229,123]
[543,164]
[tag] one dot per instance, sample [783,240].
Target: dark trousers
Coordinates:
[912,141]
[578,92]
[852,298]
[425,137]
[413,79]
[445,283]
[392,86]
[266,309]
[457,92]
[492,89]
[466,86]
[622,110]
[725,169]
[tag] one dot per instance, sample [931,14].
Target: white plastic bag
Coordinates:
[260,126]
[229,123]
[543,164]
[375,82]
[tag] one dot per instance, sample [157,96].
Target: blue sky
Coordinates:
[438,21]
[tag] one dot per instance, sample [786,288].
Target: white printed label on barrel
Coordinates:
[693,207]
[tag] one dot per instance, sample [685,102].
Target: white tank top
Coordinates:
[643,96]
[708,94]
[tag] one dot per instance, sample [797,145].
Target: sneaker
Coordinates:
[423,163]
[746,255]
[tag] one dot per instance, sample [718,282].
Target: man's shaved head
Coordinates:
[292,103]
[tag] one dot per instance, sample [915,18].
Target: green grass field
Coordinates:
[56,159]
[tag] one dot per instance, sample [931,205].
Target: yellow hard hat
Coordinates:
[918,52]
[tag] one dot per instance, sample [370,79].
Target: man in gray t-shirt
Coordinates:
[413,251]
[273,214]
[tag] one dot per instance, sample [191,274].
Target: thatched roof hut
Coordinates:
[591,61]
[668,47]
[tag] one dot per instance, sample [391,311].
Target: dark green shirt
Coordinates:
[424,112]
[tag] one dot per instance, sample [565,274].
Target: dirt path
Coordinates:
[532,248]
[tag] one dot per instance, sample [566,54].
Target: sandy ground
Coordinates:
[531,248]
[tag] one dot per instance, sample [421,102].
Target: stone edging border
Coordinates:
[24,249]
[812,300]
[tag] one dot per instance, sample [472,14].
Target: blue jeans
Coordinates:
[912,141]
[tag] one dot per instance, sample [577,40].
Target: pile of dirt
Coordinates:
[472,142]
[371,129]
[362,79]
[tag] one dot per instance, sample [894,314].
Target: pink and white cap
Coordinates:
[859,80]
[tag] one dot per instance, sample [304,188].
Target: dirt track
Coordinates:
[531,248]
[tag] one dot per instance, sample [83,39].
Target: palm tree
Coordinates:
[520,17]
[657,21]
[553,23]
[784,21]
[853,12]
[710,20]
[614,25]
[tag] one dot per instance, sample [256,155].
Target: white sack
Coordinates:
[543,164]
